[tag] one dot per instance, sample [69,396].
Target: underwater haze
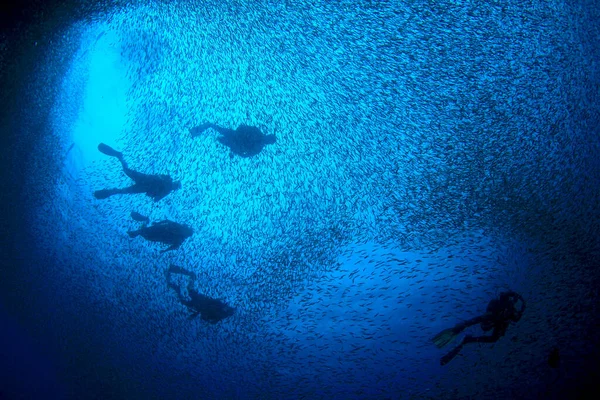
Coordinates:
[429,156]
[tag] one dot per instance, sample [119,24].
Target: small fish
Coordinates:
[139,217]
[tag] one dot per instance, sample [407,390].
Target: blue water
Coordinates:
[429,156]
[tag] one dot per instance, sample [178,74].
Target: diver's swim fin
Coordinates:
[109,151]
[444,337]
[448,357]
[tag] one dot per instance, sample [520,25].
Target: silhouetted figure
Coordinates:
[245,141]
[499,314]
[155,186]
[211,310]
[167,232]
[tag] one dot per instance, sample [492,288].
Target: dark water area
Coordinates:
[429,157]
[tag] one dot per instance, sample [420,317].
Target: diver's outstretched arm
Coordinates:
[199,130]
[223,131]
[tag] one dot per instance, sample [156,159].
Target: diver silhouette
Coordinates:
[499,314]
[245,141]
[155,186]
[211,310]
[165,231]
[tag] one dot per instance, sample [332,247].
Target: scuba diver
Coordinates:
[165,231]
[245,141]
[211,310]
[499,314]
[155,186]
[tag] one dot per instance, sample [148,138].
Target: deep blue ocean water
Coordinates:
[429,156]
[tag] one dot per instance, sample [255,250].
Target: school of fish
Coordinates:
[426,159]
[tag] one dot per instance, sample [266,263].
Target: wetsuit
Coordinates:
[211,310]
[155,186]
[499,314]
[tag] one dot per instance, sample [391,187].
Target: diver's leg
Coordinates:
[448,335]
[498,332]
[105,193]
[464,325]
[480,339]
[174,269]
[466,340]
[448,357]
[133,189]
[138,177]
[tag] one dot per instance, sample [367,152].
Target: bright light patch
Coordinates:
[92,107]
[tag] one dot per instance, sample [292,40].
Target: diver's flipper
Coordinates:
[448,357]
[198,130]
[444,337]
[109,151]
